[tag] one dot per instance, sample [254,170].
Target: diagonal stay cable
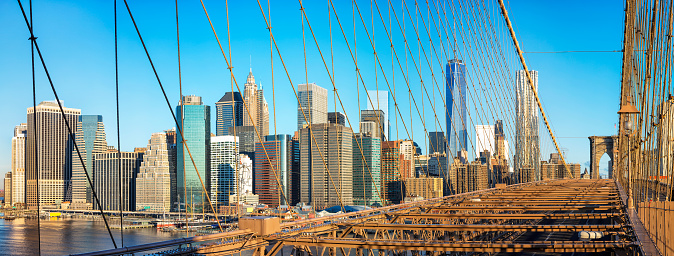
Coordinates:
[354,56]
[338,97]
[168,103]
[339,194]
[531,85]
[245,105]
[70,132]
[413,100]
[362,80]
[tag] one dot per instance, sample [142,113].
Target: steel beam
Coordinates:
[602,202]
[445,246]
[515,216]
[527,208]
[468,227]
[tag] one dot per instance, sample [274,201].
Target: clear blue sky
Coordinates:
[579,91]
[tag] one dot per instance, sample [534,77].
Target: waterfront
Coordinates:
[69,236]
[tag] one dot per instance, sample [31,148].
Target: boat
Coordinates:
[165,224]
[168,229]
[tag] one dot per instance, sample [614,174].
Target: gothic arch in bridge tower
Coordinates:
[598,146]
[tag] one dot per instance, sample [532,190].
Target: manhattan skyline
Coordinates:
[138,90]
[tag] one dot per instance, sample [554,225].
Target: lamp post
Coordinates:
[627,112]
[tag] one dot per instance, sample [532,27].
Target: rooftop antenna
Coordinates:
[250,62]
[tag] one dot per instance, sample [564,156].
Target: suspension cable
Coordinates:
[67,124]
[119,147]
[247,109]
[531,85]
[182,123]
[180,131]
[35,162]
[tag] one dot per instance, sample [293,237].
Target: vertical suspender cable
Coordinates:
[119,147]
[180,85]
[37,173]
[68,127]
[231,82]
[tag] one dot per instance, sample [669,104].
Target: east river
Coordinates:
[69,236]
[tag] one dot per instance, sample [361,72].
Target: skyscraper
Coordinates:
[391,160]
[247,138]
[484,139]
[272,169]
[437,165]
[366,170]
[500,167]
[380,101]
[90,138]
[171,140]
[426,187]
[295,173]
[8,189]
[378,117]
[224,158]
[256,106]
[408,149]
[263,112]
[195,124]
[229,113]
[107,179]
[331,149]
[456,112]
[437,142]
[18,165]
[527,151]
[337,118]
[500,144]
[466,178]
[313,104]
[53,169]
[153,183]
[397,164]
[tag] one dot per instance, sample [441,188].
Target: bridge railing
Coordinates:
[657,219]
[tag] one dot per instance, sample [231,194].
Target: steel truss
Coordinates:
[544,216]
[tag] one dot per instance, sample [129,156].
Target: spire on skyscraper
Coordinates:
[250,79]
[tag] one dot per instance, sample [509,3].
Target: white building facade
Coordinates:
[224,154]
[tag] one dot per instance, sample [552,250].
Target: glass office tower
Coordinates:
[195,124]
[229,113]
[90,138]
[455,112]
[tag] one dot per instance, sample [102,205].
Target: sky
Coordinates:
[579,91]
